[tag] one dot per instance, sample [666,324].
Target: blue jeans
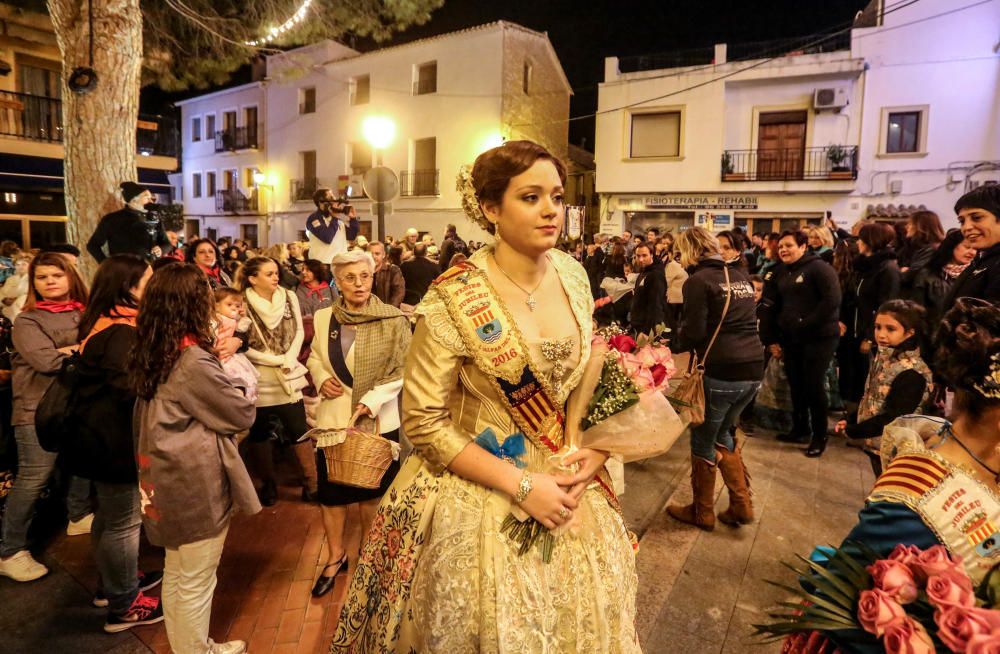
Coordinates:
[115,537]
[724,401]
[34,468]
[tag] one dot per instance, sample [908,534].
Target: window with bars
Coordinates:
[307,100]
[425,79]
[360,89]
[210,127]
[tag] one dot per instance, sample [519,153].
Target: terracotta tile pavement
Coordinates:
[267,571]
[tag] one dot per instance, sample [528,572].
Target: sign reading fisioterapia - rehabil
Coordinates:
[701,201]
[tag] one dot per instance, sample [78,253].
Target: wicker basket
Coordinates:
[361,460]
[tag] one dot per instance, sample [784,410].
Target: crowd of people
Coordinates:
[193,369]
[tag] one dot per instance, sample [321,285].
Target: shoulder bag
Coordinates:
[689,397]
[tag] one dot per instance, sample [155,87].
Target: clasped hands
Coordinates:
[554,497]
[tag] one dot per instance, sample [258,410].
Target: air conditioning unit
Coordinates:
[830,98]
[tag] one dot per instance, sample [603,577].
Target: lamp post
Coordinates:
[379,132]
[260,181]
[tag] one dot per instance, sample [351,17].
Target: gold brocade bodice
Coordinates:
[452,378]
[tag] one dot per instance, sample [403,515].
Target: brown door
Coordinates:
[781,145]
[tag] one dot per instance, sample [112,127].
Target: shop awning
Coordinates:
[154,177]
[20,172]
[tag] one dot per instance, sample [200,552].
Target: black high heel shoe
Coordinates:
[325,583]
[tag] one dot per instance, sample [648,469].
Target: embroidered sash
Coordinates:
[497,347]
[963,513]
[336,353]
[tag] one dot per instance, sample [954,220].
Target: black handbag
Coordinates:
[54,417]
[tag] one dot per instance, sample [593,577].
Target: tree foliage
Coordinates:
[199,43]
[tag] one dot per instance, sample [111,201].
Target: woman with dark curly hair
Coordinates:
[205,254]
[191,477]
[930,285]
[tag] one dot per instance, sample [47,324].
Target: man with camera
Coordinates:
[134,229]
[323,226]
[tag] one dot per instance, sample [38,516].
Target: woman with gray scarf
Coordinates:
[357,365]
[275,339]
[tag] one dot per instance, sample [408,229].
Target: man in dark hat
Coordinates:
[130,230]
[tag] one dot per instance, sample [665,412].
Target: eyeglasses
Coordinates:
[355,280]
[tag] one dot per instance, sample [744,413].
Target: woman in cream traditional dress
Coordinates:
[500,344]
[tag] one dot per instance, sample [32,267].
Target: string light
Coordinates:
[275,32]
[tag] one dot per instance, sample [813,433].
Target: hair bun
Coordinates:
[967,340]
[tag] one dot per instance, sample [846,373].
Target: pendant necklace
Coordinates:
[530,301]
[995,473]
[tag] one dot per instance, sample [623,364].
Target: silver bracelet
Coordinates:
[523,488]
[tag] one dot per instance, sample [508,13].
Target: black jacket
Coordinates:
[449,248]
[649,302]
[877,281]
[929,289]
[737,354]
[981,279]
[103,449]
[594,265]
[418,273]
[127,231]
[801,302]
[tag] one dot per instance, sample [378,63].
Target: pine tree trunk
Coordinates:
[99,127]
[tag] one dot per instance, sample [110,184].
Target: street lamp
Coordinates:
[379,132]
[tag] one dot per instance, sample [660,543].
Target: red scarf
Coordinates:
[119,316]
[59,307]
[211,272]
[317,290]
[189,340]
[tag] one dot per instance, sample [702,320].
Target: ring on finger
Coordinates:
[564,512]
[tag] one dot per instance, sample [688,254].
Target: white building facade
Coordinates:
[223,144]
[450,97]
[873,126]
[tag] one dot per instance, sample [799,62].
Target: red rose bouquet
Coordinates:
[628,414]
[913,602]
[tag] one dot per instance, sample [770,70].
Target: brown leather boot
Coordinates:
[737,478]
[701,513]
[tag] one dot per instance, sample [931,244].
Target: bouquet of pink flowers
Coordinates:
[628,414]
[913,602]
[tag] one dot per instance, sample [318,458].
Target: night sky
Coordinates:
[584,32]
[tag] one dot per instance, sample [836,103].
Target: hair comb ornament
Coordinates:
[470,203]
[989,387]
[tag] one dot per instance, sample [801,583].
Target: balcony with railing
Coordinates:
[236,138]
[233,201]
[418,182]
[833,162]
[39,118]
[302,189]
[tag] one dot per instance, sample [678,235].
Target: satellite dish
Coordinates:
[381,184]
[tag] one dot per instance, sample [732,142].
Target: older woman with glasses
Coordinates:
[357,365]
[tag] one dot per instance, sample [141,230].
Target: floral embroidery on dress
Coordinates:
[888,364]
